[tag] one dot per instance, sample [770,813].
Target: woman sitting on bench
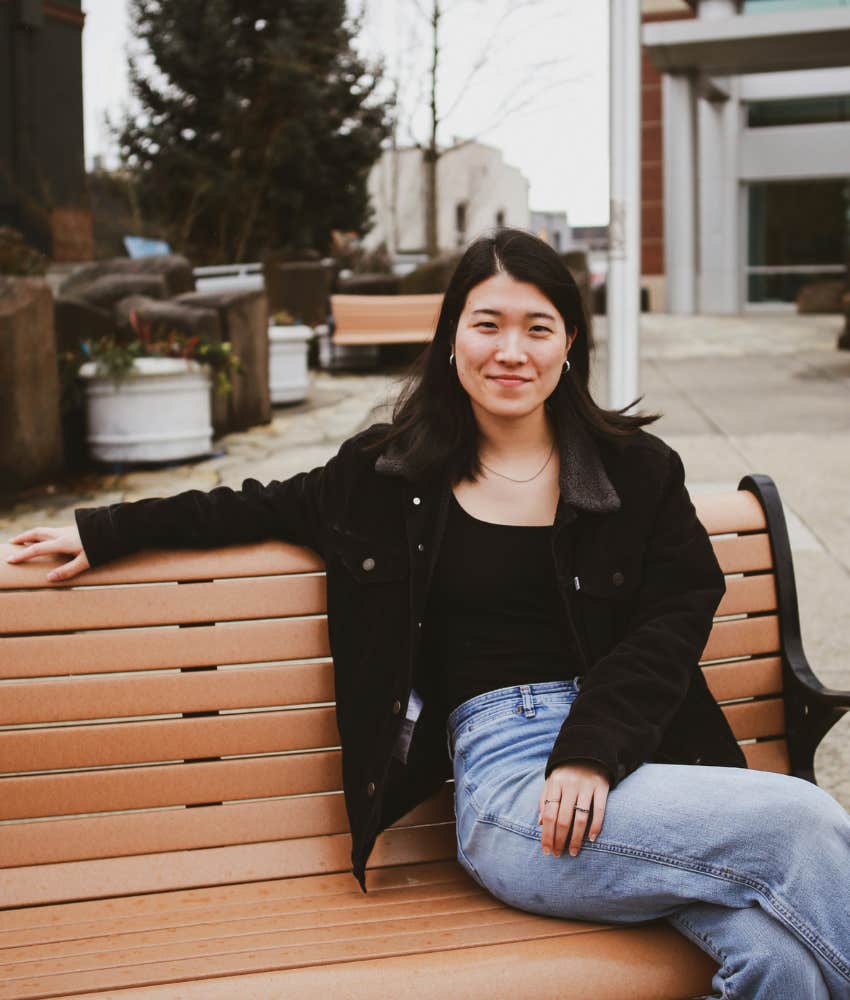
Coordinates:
[533,564]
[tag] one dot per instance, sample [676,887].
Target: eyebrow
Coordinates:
[531,315]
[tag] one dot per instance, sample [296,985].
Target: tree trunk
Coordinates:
[431,153]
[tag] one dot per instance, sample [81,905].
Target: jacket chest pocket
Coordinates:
[605,600]
[369,563]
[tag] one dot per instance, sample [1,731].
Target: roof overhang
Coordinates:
[751,43]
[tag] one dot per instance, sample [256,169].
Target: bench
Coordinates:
[171,821]
[384,319]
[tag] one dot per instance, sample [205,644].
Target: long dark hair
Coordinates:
[433,423]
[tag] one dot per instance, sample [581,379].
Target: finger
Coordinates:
[31,535]
[600,800]
[36,548]
[579,826]
[66,571]
[564,822]
[547,835]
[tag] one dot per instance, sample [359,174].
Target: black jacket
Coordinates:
[637,576]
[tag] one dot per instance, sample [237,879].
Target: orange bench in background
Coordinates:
[384,319]
[171,820]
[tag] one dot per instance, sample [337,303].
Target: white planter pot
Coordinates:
[288,377]
[161,411]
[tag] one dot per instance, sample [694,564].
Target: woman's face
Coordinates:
[510,347]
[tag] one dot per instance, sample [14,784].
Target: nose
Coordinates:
[510,348]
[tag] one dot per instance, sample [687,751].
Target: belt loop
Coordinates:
[449,744]
[527,700]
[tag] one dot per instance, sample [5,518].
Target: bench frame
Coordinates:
[412,861]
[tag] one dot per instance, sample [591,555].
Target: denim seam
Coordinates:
[729,993]
[775,902]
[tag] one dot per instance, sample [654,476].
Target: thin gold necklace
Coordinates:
[536,474]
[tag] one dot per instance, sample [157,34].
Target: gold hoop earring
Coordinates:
[566,367]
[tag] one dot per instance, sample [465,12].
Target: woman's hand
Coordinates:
[578,784]
[42,541]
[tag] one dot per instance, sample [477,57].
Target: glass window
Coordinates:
[799,232]
[798,111]
[773,6]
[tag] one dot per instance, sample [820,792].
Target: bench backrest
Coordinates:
[180,705]
[385,318]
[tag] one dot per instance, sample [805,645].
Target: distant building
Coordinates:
[476,189]
[42,169]
[553,227]
[746,150]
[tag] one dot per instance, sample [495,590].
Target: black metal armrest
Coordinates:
[811,708]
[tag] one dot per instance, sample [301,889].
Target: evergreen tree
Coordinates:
[259,123]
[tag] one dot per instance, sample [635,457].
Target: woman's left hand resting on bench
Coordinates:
[569,785]
[46,541]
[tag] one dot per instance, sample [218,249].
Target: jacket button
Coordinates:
[417,501]
[698,760]
[617,578]
[368,564]
[370,789]
[421,547]
[396,707]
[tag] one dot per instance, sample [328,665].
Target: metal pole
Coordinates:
[623,293]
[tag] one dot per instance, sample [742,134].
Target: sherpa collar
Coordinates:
[583,481]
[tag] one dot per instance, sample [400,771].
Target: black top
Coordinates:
[493,617]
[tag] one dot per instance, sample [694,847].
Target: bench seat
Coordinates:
[171,816]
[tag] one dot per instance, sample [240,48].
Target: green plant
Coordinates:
[114,356]
[17,257]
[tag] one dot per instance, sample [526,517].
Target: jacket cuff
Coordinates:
[98,535]
[582,743]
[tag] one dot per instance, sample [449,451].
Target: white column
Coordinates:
[679,130]
[720,259]
[623,294]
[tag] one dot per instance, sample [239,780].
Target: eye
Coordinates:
[487,323]
[541,330]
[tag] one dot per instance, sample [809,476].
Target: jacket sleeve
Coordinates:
[630,695]
[294,510]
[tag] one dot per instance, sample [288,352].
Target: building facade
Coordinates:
[476,189]
[753,125]
[42,168]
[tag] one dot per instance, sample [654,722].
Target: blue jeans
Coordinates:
[752,866]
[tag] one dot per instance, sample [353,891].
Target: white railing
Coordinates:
[229,277]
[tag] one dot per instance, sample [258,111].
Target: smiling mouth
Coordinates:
[510,379]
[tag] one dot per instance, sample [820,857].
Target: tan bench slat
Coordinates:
[742,637]
[83,880]
[743,553]
[28,702]
[501,924]
[162,604]
[654,959]
[771,755]
[84,792]
[379,337]
[724,513]
[164,740]
[89,944]
[748,595]
[402,882]
[157,649]
[752,719]
[214,941]
[118,835]
[268,558]
[745,678]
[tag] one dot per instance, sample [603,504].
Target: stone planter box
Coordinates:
[160,412]
[288,377]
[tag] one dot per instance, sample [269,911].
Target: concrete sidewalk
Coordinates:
[761,393]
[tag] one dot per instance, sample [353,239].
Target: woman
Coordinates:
[560,590]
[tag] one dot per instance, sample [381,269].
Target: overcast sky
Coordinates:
[540,94]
